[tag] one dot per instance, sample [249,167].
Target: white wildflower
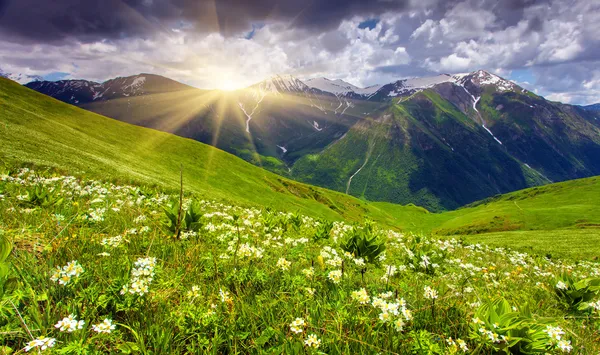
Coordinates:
[105,327]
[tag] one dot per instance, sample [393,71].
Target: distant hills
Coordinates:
[439,142]
[594,107]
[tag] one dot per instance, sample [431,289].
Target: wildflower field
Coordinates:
[90,267]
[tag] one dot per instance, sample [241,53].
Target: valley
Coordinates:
[425,134]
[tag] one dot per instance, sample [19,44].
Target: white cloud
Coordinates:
[453,63]
[560,96]
[433,37]
[561,44]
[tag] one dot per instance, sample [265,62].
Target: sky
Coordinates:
[551,47]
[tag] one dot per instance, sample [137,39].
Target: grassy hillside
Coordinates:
[570,204]
[566,205]
[42,131]
[561,219]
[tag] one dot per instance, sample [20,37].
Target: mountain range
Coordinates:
[593,107]
[438,142]
[20,78]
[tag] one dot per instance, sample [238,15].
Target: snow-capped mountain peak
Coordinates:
[340,87]
[483,78]
[405,86]
[83,91]
[282,84]
[20,78]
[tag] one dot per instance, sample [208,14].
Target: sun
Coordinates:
[230,84]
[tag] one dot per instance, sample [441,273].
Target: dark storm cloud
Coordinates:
[53,20]
[91,20]
[94,19]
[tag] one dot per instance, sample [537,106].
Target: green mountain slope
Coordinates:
[423,151]
[554,140]
[561,219]
[283,127]
[40,130]
[570,204]
[457,143]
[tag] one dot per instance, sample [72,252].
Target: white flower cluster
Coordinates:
[96,214]
[297,326]
[248,251]
[67,273]
[492,336]
[328,252]
[41,343]
[556,338]
[395,312]
[561,285]
[106,326]
[283,264]
[141,277]
[113,242]
[458,344]
[309,272]
[429,293]
[188,234]
[312,341]
[194,292]
[335,276]
[361,296]
[69,324]
[140,219]
[224,296]
[390,271]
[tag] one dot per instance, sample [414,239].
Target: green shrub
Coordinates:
[364,243]
[576,295]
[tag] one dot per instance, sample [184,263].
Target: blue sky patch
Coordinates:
[370,24]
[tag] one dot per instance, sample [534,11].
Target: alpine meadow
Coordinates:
[284,177]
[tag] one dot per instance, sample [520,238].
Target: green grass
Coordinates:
[235,282]
[571,204]
[567,212]
[569,244]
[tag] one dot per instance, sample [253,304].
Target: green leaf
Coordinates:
[5,247]
[265,336]
[128,348]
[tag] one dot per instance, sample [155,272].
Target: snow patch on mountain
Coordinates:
[135,85]
[283,149]
[316,126]
[340,87]
[258,95]
[410,86]
[475,101]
